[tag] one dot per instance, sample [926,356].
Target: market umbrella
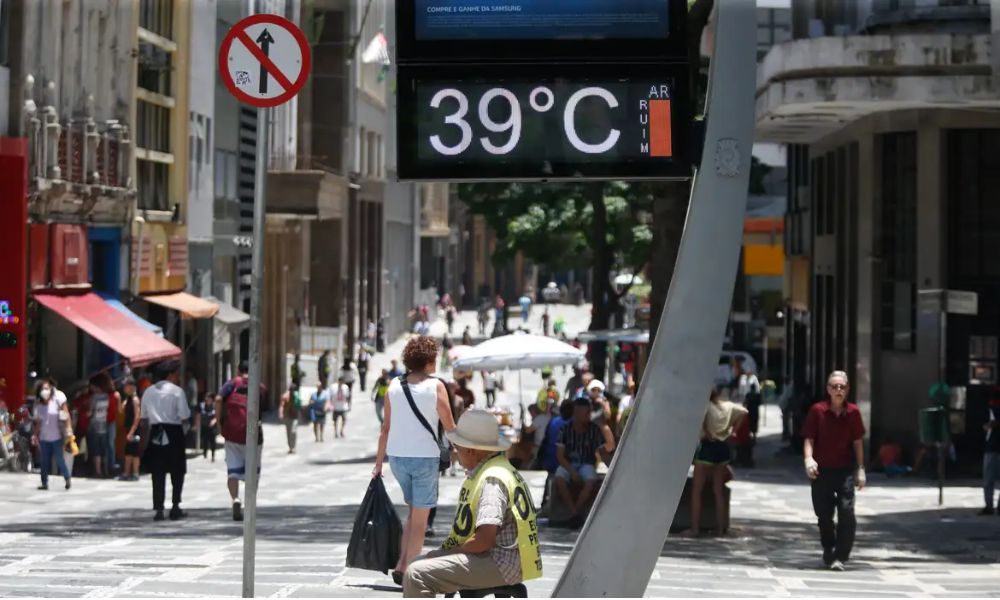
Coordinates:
[518,351]
[457,352]
[628,279]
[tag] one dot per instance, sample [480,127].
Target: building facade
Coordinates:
[888,108]
[95,90]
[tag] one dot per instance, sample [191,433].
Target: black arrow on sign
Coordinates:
[265,40]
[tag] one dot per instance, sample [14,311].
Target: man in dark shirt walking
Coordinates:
[834,461]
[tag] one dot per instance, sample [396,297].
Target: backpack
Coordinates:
[234,415]
[234,409]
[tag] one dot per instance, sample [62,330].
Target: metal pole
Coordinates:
[942,377]
[650,465]
[763,398]
[253,393]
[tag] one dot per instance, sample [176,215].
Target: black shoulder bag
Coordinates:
[443,446]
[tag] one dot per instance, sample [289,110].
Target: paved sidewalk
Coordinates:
[99,538]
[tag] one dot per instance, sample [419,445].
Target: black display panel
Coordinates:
[541,20]
[543,122]
[463,30]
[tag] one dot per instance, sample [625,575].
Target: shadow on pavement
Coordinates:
[903,539]
[368,459]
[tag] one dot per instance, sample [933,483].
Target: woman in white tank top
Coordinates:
[413,452]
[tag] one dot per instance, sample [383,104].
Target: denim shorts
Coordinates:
[418,476]
[586,472]
[97,444]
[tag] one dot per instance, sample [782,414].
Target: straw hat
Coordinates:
[479,430]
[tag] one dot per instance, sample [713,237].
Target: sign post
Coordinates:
[264,62]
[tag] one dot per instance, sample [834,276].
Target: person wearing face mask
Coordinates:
[51,422]
[834,460]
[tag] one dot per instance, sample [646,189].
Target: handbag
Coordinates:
[444,460]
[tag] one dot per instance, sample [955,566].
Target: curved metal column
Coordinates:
[618,547]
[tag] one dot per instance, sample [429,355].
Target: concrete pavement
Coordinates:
[99,538]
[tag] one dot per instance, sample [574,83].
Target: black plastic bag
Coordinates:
[377,535]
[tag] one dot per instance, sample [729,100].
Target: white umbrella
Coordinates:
[518,351]
[457,352]
[628,278]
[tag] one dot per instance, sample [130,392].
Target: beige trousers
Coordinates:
[436,573]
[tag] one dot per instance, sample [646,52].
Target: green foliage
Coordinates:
[553,223]
[758,171]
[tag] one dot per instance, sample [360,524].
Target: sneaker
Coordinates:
[237,511]
[158,516]
[176,513]
[430,533]
[837,566]
[828,558]
[987,511]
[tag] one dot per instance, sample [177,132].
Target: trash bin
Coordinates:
[933,423]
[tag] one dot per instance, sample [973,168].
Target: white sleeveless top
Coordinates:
[407,437]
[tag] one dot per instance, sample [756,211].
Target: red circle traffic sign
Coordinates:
[272,71]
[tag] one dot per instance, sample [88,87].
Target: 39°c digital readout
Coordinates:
[559,128]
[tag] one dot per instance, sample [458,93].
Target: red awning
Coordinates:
[110,327]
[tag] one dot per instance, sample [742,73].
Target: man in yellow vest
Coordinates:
[494,540]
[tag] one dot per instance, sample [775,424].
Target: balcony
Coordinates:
[78,168]
[809,88]
[312,193]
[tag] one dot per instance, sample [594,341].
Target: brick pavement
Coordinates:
[99,539]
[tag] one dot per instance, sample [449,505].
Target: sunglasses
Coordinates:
[837,386]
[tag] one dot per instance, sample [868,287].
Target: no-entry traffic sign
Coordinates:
[264,60]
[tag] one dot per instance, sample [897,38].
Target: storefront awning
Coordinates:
[228,315]
[190,307]
[102,322]
[117,305]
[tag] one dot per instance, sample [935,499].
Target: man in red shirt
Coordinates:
[834,460]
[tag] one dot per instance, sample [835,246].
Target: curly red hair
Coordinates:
[419,352]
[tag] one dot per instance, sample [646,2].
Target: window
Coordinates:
[208,140]
[361,152]
[5,32]
[157,16]
[153,185]
[226,174]
[371,163]
[220,174]
[898,240]
[973,190]
[819,188]
[774,26]
[154,69]
[152,127]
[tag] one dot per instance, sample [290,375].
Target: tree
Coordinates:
[600,225]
